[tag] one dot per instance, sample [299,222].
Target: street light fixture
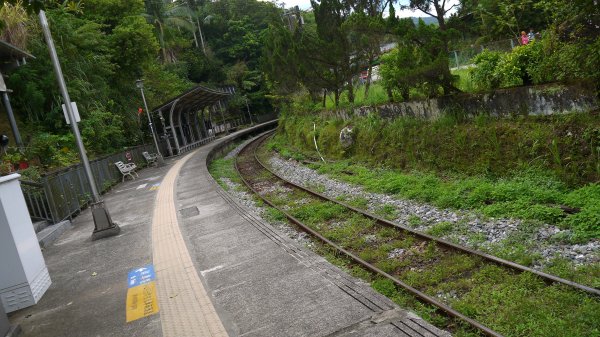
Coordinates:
[103,224]
[140,85]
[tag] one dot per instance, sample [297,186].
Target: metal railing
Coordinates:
[63,193]
[462,58]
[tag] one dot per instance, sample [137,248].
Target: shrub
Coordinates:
[483,75]
[585,224]
[535,63]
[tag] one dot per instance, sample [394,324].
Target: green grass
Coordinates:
[224,168]
[377,95]
[562,146]
[528,194]
[387,212]
[441,228]
[414,221]
[523,305]
[464,81]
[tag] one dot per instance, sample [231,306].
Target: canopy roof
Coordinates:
[194,99]
[10,54]
[184,122]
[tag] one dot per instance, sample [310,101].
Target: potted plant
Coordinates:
[16,159]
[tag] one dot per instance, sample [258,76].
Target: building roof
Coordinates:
[195,98]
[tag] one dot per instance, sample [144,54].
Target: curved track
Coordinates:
[263,182]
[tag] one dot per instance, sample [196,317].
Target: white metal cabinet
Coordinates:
[24,277]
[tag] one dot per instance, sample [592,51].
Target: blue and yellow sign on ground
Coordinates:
[141,295]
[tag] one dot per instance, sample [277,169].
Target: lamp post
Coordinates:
[140,85]
[103,224]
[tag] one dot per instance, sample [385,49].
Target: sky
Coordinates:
[305,4]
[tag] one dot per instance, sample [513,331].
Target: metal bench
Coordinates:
[150,158]
[127,170]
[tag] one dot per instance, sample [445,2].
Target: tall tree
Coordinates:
[439,9]
[165,16]
[335,48]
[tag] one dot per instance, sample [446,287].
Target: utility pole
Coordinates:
[103,224]
[161,161]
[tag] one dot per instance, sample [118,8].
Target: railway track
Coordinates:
[413,261]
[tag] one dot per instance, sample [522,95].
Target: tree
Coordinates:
[438,10]
[507,18]
[420,61]
[333,49]
[165,16]
[366,35]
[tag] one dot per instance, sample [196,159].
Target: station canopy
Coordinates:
[182,123]
[11,56]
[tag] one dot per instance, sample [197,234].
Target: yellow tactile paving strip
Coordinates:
[185,308]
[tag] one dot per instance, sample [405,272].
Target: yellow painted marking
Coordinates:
[141,301]
[186,307]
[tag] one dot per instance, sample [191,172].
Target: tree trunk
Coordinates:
[404,91]
[161,40]
[194,32]
[201,37]
[336,96]
[369,71]
[324,97]
[350,91]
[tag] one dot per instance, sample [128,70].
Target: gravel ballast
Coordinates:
[468,228]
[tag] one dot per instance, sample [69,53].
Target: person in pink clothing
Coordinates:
[524,38]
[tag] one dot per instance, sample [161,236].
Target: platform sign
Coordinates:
[141,276]
[141,295]
[75,111]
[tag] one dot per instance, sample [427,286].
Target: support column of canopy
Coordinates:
[172,126]
[196,128]
[205,132]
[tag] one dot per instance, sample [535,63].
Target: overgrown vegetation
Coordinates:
[105,46]
[515,304]
[521,305]
[529,168]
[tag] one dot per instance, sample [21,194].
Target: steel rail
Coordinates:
[547,277]
[422,296]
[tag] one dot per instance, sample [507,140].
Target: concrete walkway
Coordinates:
[219,271]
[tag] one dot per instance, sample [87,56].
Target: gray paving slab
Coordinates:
[89,278]
[263,282]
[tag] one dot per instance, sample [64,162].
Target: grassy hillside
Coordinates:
[530,167]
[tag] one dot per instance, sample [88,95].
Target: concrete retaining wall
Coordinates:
[534,100]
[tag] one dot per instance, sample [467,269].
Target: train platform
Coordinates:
[192,261]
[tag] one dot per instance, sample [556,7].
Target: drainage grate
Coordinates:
[189,212]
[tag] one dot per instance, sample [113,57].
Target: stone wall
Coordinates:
[534,100]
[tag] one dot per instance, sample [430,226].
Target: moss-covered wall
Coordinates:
[534,100]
